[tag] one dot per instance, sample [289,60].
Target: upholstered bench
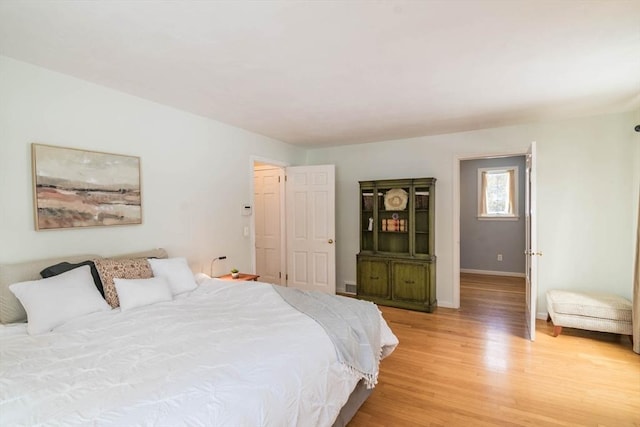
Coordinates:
[591,311]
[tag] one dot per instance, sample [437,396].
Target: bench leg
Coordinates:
[557,330]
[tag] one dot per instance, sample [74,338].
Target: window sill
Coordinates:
[498,218]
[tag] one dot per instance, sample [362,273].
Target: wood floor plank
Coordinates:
[475,367]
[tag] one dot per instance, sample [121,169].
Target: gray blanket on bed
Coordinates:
[353,326]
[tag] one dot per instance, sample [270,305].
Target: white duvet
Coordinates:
[227,354]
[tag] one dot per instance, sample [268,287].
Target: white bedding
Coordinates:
[226,354]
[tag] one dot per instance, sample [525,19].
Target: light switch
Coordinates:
[246,231]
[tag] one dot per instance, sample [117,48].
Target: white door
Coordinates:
[531,250]
[310,219]
[267,182]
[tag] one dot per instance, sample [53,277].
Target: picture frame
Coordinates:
[81,188]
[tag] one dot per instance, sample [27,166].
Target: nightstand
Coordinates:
[243,277]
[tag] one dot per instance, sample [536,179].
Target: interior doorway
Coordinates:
[492,247]
[293,225]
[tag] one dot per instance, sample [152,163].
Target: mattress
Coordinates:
[226,354]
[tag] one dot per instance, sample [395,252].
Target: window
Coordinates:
[498,193]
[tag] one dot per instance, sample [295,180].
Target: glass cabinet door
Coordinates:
[393,219]
[421,204]
[366,220]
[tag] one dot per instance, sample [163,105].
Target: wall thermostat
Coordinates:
[246,210]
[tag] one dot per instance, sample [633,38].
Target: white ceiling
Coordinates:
[322,73]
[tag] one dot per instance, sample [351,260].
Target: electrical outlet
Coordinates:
[499,257]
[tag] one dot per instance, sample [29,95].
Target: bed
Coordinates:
[221,354]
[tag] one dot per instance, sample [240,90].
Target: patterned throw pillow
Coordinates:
[135,268]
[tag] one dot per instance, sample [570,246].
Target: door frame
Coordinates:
[252,234]
[456,211]
[531,249]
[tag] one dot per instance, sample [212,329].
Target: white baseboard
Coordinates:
[491,273]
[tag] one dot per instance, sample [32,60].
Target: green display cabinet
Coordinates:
[396,262]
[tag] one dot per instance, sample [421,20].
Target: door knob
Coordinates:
[533,253]
[330,241]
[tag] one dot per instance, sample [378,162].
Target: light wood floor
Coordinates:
[474,367]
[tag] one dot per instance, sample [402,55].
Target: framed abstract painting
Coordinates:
[78,188]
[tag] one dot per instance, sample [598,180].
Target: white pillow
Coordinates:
[177,273]
[51,302]
[134,293]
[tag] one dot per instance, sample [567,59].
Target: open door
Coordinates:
[310,219]
[531,240]
[268,230]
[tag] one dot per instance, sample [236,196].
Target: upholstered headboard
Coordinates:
[11,311]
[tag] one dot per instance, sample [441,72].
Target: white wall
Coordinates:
[196,175]
[195,171]
[587,185]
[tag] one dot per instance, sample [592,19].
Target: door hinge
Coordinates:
[279,274]
[278,179]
